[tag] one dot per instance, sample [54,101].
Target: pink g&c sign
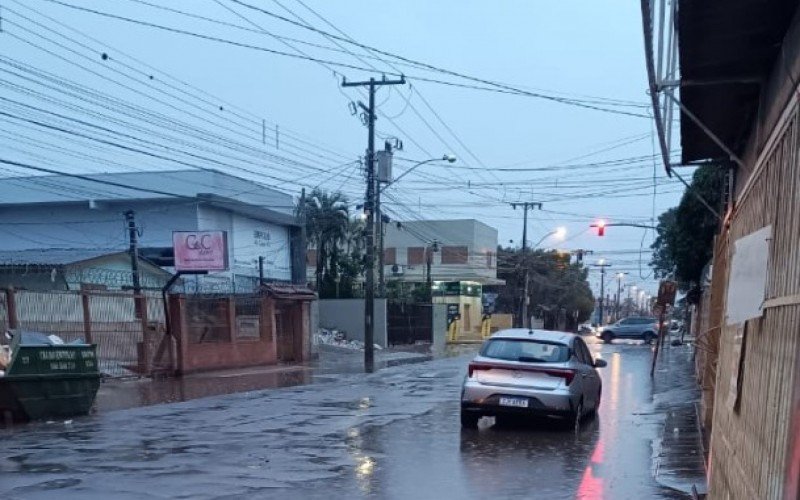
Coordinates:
[200,250]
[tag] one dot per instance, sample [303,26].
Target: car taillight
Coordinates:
[476,366]
[567,375]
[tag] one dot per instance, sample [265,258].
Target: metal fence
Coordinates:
[115,321]
[208,318]
[409,323]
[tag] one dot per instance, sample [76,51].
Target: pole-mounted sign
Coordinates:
[666,293]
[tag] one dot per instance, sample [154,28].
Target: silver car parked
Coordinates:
[531,372]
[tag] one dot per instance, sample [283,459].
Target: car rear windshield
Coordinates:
[532,351]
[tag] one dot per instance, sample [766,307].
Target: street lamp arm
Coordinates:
[551,233]
[624,224]
[447,158]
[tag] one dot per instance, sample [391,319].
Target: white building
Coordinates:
[460,250]
[63,212]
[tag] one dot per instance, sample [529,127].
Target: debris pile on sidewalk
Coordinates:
[338,338]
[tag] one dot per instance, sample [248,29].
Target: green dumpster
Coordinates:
[44,380]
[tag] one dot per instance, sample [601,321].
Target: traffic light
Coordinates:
[601,227]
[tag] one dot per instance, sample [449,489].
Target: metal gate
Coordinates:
[409,323]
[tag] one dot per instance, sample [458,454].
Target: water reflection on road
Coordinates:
[392,434]
[609,458]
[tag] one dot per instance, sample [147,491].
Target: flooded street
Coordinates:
[391,434]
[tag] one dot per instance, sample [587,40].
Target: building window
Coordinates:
[489,259]
[390,256]
[416,256]
[311,257]
[454,255]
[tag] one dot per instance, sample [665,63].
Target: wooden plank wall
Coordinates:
[712,310]
[749,443]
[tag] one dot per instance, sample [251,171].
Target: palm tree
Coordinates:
[326,219]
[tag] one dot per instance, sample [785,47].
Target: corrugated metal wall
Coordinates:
[748,443]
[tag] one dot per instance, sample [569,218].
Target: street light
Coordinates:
[380,220]
[559,232]
[448,158]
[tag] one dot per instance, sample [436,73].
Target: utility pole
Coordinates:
[260,270]
[133,237]
[617,309]
[381,251]
[602,264]
[526,205]
[369,208]
[429,251]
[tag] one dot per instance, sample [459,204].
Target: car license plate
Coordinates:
[516,402]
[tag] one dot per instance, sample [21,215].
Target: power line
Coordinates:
[424,65]
[493,86]
[196,92]
[127,87]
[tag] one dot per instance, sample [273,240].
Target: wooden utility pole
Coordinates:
[526,205]
[133,236]
[602,264]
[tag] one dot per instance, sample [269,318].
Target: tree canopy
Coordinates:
[559,292]
[337,240]
[686,233]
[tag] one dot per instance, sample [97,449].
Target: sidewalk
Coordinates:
[678,458]
[124,394]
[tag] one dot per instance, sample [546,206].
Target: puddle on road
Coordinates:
[130,394]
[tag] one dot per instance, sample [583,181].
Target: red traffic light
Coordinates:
[601,227]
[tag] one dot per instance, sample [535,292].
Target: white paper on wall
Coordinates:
[748,276]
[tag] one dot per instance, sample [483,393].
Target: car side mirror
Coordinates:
[600,363]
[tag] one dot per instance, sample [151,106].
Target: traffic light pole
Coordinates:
[370,205]
[602,265]
[602,291]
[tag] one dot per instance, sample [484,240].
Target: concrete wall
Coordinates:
[314,327]
[348,315]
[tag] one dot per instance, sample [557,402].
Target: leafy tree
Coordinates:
[327,222]
[558,290]
[684,244]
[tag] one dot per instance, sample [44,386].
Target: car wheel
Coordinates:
[469,420]
[607,337]
[597,401]
[577,416]
[649,337]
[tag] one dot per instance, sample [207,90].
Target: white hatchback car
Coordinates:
[531,372]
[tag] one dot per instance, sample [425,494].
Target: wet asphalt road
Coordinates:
[392,434]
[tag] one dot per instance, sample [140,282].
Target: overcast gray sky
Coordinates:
[585,51]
